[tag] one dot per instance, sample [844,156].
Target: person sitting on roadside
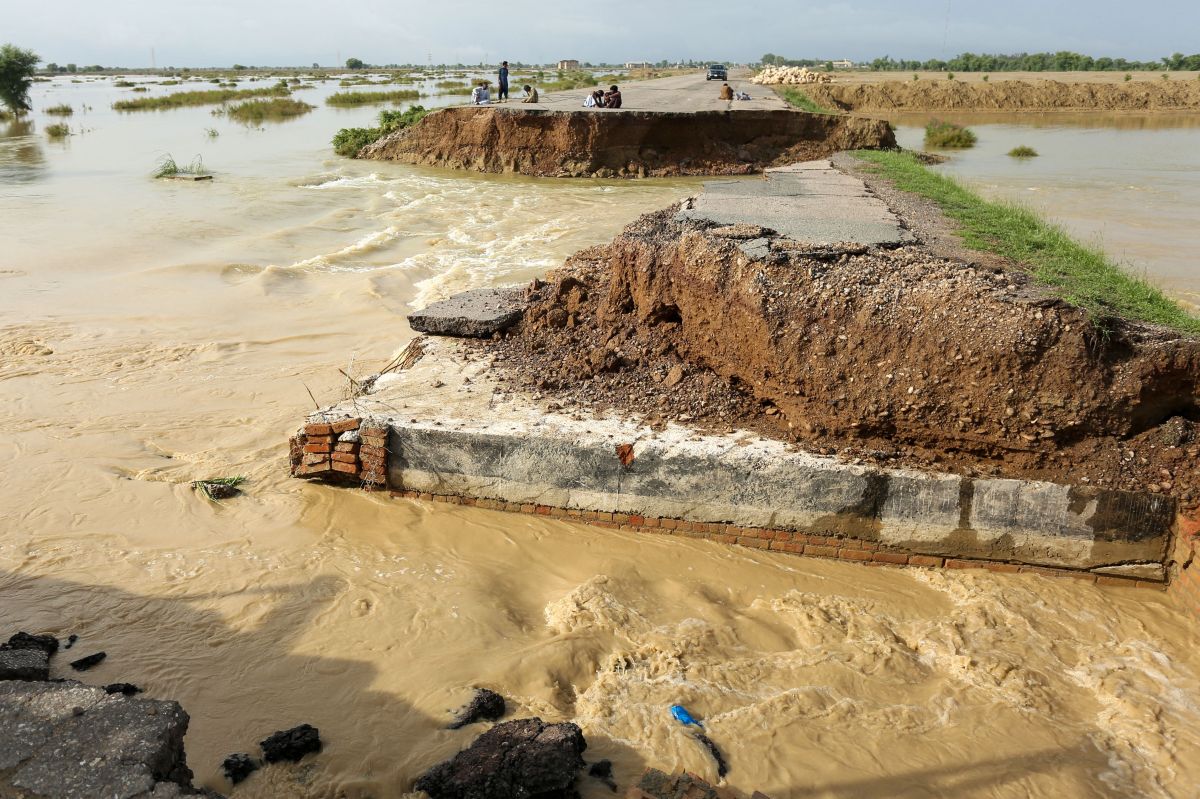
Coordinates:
[726,92]
[480,94]
[612,99]
[743,95]
[530,94]
[594,100]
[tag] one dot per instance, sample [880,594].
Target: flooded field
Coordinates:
[153,333]
[1128,183]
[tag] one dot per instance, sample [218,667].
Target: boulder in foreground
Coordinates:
[522,759]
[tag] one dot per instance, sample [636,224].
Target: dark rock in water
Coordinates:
[24,664]
[485,706]
[238,767]
[655,784]
[221,490]
[85,663]
[71,639]
[722,766]
[602,770]
[23,640]
[522,759]
[479,313]
[291,744]
[128,689]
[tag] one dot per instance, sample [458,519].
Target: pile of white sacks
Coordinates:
[790,76]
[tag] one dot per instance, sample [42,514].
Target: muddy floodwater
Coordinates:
[153,333]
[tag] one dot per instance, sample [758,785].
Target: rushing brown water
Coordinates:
[154,333]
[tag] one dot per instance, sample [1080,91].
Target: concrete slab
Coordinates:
[453,429]
[65,740]
[479,313]
[810,202]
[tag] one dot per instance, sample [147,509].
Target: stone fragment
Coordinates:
[24,640]
[484,706]
[123,688]
[87,662]
[238,767]
[291,744]
[479,313]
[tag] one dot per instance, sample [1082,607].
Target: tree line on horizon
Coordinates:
[1062,61]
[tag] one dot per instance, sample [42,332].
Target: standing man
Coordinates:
[502,91]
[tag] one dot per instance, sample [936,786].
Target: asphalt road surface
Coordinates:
[680,93]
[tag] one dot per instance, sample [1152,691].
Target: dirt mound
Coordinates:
[628,144]
[889,355]
[1008,95]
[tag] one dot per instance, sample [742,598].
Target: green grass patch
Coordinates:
[371,98]
[348,141]
[58,131]
[277,109]
[1080,274]
[60,110]
[1023,152]
[946,135]
[123,84]
[796,98]
[209,97]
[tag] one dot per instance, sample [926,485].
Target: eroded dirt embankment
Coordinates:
[899,356]
[1047,95]
[626,144]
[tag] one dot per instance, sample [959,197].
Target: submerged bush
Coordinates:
[60,110]
[209,97]
[349,141]
[948,135]
[257,111]
[58,131]
[370,98]
[1023,152]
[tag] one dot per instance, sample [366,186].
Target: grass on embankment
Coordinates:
[796,98]
[1080,274]
[371,98]
[348,141]
[181,99]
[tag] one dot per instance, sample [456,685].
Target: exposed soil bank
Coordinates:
[627,144]
[1049,95]
[908,355]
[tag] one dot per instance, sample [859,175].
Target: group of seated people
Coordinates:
[603,99]
[481,95]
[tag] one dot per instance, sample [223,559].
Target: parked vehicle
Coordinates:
[717,72]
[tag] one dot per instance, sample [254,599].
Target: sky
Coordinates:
[301,32]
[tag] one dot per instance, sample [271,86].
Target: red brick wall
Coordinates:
[1185,585]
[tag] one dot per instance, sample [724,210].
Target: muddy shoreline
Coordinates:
[626,144]
[1007,95]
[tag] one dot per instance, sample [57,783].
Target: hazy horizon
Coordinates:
[131,33]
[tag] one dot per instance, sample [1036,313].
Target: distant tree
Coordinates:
[17,68]
[239,66]
[72,68]
[316,65]
[354,63]
[52,67]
